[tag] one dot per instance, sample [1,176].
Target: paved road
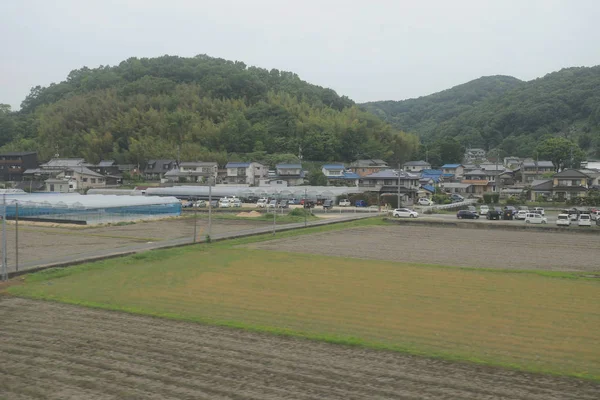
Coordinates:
[136,248]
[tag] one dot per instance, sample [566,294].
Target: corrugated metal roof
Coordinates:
[446,166]
[237,165]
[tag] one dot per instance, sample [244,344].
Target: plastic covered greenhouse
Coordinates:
[89,209]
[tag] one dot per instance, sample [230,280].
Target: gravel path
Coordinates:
[54,351]
[452,246]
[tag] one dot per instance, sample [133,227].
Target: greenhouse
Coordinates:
[251,193]
[89,209]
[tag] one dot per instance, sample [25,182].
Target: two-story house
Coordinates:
[455,169]
[193,171]
[387,182]
[367,167]
[569,184]
[248,173]
[477,181]
[14,164]
[338,175]
[473,155]
[75,179]
[416,166]
[110,170]
[156,169]
[535,170]
[291,173]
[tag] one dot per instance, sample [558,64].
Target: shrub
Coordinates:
[495,198]
[487,198]
[300,212]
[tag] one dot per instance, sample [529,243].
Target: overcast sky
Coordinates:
[367,50]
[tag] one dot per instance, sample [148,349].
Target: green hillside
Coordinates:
[201,108]
[423,114]
[504,113]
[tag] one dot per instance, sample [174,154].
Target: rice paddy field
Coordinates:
[537,321]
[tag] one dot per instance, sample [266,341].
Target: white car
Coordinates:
[235,203]
[522,214]
[563,220]
[345,203]
[532,218]
[224,203]
[262,203]
[584,220]
[424,201]
[272,204]
[539,210]
[595,215]
[483,210]
[404,213]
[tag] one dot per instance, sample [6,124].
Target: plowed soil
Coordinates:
[54,351]
[477,248]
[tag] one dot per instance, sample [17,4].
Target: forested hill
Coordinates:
[514,117]
[423,114]
[201,108]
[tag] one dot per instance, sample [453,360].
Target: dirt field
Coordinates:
[53,351]
[453,246]
[40,245]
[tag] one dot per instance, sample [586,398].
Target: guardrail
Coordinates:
[451,206]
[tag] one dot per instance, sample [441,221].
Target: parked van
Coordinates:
[563,220]
[584,220]
[532,218]
[262,203]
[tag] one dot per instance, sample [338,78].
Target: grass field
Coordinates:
[545,322]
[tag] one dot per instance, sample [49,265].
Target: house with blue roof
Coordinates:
[245,173]
[455,169]
[338,175]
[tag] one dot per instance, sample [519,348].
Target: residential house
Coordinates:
[590,165]
[426,191]
[14,164]
[493,178]
[456,187]
[512,162]
[490,166]
[110,170]
[156,169]
[532,170]
[470,167]
[389,181]
[506,178]
[541,189]
[75,179]
[338,176]
[249,173]
[473,155]
[455,169]
[367,167]
[477,181]
[569,184]
[54,167]
[291,173]
[416,166]
[193,171]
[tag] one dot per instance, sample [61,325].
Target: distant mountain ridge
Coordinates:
[506,113]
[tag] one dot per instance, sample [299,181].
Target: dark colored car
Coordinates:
[466,214]
[327,204]
[496,213]
[360,203]
[308,204]
[283,204]
[509,213]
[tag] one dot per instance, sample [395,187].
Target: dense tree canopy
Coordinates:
[502,112]
[199,108]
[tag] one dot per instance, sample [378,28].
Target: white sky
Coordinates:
[367,50]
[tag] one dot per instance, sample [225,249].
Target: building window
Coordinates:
[575,182]
[85,179]
[93,180]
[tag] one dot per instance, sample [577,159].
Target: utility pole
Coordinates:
[4,257]
[496,173]
[17,236]
[209,207]
[195,221]
[304,205]
[398,185]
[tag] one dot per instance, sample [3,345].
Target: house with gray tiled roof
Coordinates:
[156,169]
[416,166]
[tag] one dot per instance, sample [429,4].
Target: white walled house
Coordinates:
[249,173]
[416,166]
